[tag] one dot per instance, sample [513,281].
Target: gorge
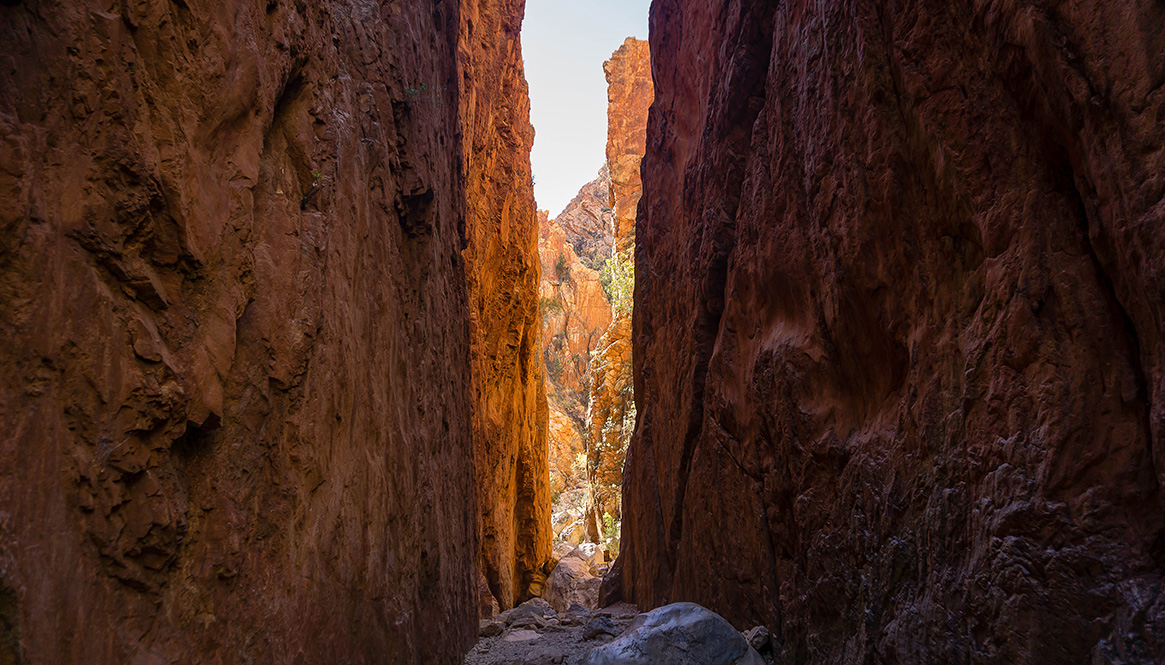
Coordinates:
[295,371]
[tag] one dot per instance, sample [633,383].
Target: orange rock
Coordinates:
[575,312]
[611,414]
[629,96]
[502,269]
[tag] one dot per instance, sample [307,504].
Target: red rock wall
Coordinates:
[509,400]
[236,396]
[898,330]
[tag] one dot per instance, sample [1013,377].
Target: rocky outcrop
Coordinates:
[589,221]
[610,420]
[571,583]
[629,96]
[611,414]
[235,389]
[898,328]
[502,266]
[575,312]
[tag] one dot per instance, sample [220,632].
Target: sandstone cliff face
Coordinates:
[235,389]
[240,422]
[509,401]
[629,96]
[589,221]
[611,414]
[575,313]
[898,328]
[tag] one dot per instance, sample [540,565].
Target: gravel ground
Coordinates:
[519,642]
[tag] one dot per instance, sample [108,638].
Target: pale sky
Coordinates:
[565,44]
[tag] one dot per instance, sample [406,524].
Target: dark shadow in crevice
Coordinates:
[9,627]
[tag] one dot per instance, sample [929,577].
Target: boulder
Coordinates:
[559,551]
[600,626]
[562,519]
[573,534]
[576,615]
[535,611]
[544,656]
[591,554]
[487,628]
[571,582]
[758,638]
[521,636]
[677,634]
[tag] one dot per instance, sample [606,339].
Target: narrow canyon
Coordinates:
[852,352]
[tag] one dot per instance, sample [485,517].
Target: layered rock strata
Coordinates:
[502,266]
[898,329]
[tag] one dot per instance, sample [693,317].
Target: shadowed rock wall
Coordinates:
[898,328]
[509,400]
[236,392]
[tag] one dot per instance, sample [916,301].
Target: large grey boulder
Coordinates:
[677,634]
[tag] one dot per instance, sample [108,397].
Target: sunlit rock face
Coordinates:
[574,315]
[898,328]
[502,266]
[575,312]
[589,221]
[629,95]
[611,415]
[235,394]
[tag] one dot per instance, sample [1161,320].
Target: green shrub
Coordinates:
[550,304]
[595,263]
[554,367]
[618,281]
[562,269]
[611,534]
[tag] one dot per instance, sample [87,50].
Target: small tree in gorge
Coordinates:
[618,280]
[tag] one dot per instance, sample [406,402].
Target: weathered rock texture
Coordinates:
[589,221]
[509,401]
[236,392]
[575,312]
[611,412]
[629,96]
[898,328]
[610,419]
